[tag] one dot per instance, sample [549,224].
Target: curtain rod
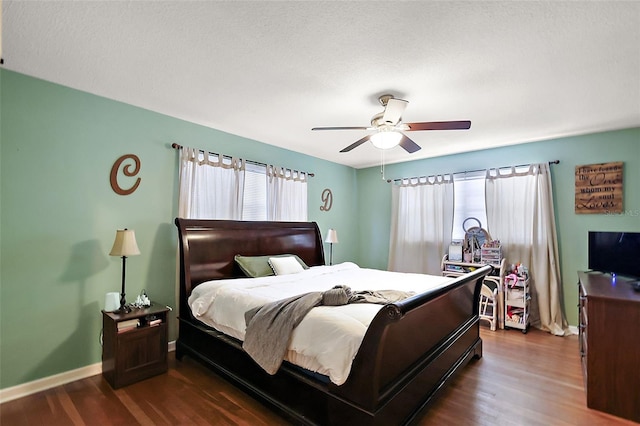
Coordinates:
[470,171]
[177,146]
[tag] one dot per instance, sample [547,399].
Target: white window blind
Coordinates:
[255,193]
[469,201]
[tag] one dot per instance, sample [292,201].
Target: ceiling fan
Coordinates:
[388,126]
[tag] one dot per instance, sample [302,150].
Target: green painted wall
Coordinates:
[59,215]
[374,195]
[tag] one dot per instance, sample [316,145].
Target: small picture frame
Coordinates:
[455,252]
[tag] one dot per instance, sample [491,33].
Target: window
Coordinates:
[254,202]
[468,201]
[213,186]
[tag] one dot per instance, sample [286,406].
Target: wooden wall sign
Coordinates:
[327,199]
[113,177]
[599,188]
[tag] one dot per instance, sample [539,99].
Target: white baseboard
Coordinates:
[15,392]
[24,389]
[573,329]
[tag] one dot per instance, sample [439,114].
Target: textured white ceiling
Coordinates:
[270,71]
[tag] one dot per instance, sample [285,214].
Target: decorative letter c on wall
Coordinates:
[127,172]
[327,199]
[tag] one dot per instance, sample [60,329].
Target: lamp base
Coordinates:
[124,309]
[330,253]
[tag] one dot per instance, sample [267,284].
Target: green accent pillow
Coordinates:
[258,266]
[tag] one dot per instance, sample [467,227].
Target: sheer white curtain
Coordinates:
[286,194]
[520,214]
[211,186]
[421,224]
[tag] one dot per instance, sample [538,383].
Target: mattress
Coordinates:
[328,338]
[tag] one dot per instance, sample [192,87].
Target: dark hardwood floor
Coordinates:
[523,379]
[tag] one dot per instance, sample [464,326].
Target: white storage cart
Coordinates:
[517,299]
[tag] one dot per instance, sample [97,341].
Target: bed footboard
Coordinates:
[411,348]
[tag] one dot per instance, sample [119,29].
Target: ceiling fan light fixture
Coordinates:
[386,139]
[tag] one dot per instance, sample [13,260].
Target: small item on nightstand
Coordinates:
[142,301]
[112,301]
[152,320]
[131,324]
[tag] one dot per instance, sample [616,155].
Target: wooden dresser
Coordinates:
[609,316]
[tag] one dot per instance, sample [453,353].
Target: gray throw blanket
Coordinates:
[269,327]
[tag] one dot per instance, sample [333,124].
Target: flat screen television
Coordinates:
[615,252]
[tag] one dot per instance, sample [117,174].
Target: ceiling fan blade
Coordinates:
[355,144]
[439,125]
[409,145]
[393,111]
[340,128]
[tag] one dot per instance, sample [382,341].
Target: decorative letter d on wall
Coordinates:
[327,199]
[113,178]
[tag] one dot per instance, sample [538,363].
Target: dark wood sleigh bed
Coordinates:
[410,350]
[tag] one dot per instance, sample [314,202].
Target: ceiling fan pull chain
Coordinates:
[382,164]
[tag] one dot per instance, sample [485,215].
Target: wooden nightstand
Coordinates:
[134,354]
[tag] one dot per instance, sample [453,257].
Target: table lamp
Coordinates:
[124,245]
[332,238]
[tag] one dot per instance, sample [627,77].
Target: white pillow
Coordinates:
[285,265]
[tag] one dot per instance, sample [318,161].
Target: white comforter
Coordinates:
[328,338]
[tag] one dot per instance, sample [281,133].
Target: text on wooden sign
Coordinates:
[599,188]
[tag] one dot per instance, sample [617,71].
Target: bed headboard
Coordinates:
[207,247]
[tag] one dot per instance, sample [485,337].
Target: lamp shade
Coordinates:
[332,236]
[125,243]
[386,139]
